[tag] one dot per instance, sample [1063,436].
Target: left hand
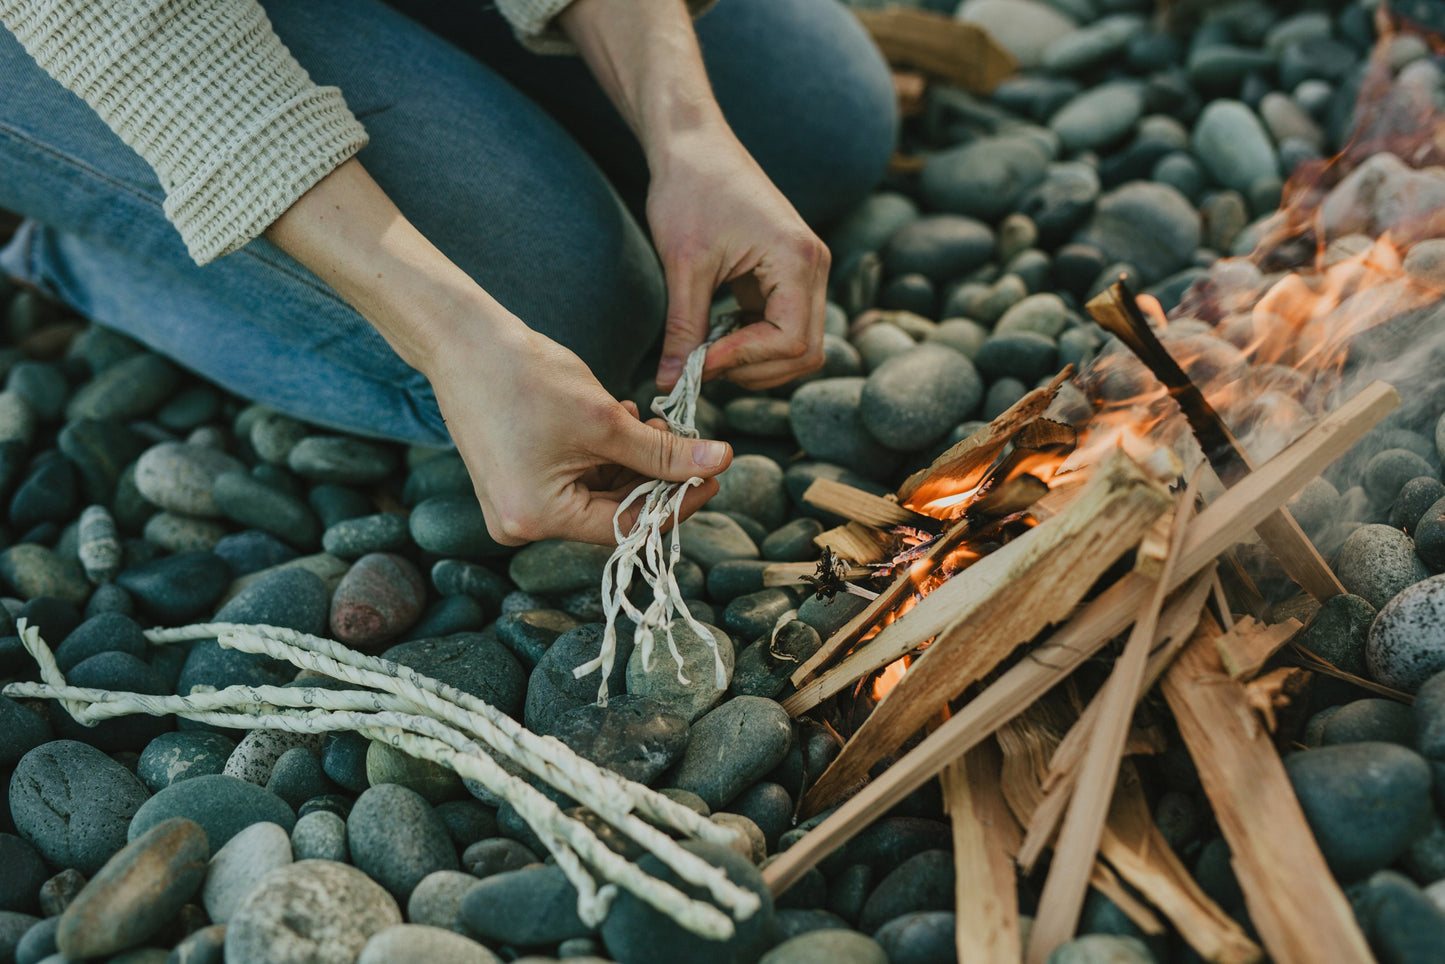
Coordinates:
[715,218]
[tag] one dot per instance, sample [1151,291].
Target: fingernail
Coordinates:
[669,368]
[709,455]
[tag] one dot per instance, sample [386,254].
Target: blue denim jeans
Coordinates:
[513,164]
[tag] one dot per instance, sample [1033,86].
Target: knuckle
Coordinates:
[796,347]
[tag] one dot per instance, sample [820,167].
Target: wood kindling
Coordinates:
[1117,312]
[978,617]
[1245,649]
[857,543]
[963,53]
[856,505]
[985,838]
[1218,526]
[1291,895]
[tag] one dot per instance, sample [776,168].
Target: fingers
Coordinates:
[695,498]
[789,341]
[689,298]
[658,454]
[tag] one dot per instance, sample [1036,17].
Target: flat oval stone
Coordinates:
[273,436]
[353,538]
[236,867]
[921,936]
[320,835]
[397,839]
[496,856]
[1406,644]
[1232,144]
[179,477]
[341,460]
[1378,562]
[432,781]
[1102,949]
[33,570]
[752,485]
[633,736]
[922,882]
[417,942]
[253,550]
[914,398]
[174,532]
[474,663]
[445,474]
[309,912]
[1149,225]
[452,525]
[827,421]
[940,246]
[524,908]
[709,538]
[694,687]
[21,730]
[137,891]
[378,599]
[222,805]
[1365,802]
[181,755]
[456,577]
[553,690]
[73,803]
[25,874]
[556,566]
[732,748]
[127,390]
[1369,720]
[437,900]
[243,498]
[105,633]
[830,946]
[635,933]
[177,589]
[101,451]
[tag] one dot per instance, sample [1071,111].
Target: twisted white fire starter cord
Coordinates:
[430,720]
[643,551]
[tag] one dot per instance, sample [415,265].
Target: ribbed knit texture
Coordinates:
[207,94]
[532,21]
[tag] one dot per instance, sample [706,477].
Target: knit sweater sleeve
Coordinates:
[532,21]
[207,94]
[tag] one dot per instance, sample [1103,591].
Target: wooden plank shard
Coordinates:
[961,52]
[985,836]
[865,507]
[1291,895]
[978,617]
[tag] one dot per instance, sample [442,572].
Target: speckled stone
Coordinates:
[1377,562]
[661,679]
[136,892]
[259,750]
[222,805]
[1406,645]
[320,835]
[73,803]
[353,538]
[437,900]
[309,912]
[397,839]
[378,599]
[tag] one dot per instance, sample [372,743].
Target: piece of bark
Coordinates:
[985,837]
[963,53]
[962,467]
[1291,895]
[1245,649]
[978,617]
[1067,883]
[865,507]
[1217,527]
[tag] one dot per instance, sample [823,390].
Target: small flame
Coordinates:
[889,677]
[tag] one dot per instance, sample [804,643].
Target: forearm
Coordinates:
[647,60]
[347,231]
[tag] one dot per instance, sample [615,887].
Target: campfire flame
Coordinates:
[1270,338]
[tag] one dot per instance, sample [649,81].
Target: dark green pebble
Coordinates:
[57,618]
[43,386]
[25,872]
[222,805]
[74,803]
[732,578]
[923,882]
[452,525]
[279,479]
[1372,719]
[474,663]
[795,922]
[183,755]
[553,690]
[397,839]
[889,842]
[497,855]
[120,673]
[769,806]
[798,477]
[34,570]
[448,615]
[129,508]
[21,730]
[525,908]
[189,408]
[528,633]
[765,417]
[1414,500]
[14,457]
[1430,536]
[456,577]
[256,505]
[176,589]
[755,614]
[101,450]
[109,598]
[732,747]
[334,503]
[467,821]
[924,937]
[343,759]
[126,390]
[273,436]
[337,803]
[1025,355]
[342,460]
[47,494]
[297,777]
[633,736]
[1403,925]
[827,616]
[793,541]
[353,538]
[253,550]
[848,889]
[110,632]
[37,943]
[444,475]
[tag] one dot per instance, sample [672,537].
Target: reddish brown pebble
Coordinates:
[378,599]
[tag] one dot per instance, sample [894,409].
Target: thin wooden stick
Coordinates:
[1292,897]
[1118,313]
[800,573]
[1068,881]
[978,617]
[985,835]
[865,507]
[1217,527]
[1245,649]
[855,542]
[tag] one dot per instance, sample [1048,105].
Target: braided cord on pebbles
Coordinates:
[644,552]
[430,720]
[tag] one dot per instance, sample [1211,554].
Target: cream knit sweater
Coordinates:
[206,92]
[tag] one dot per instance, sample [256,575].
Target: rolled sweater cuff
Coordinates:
[533,22]
[207,94]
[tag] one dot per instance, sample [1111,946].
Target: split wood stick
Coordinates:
[1245,649]
[961,52]
[962,467]
[985,836]
[1107,882]
[1067,883]
[857,543]
[1176,625]
[1134,846]
[799,573]
[978,617]
[1292,897]
[1217,527]
[865,507]
[1117,312]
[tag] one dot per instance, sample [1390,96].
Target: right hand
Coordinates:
[552,454]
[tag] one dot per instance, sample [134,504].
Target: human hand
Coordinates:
[551,454]
[716,218]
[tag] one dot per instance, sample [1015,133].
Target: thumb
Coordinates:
[658,454]
[689,298]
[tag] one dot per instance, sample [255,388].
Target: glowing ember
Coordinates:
[889,677]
